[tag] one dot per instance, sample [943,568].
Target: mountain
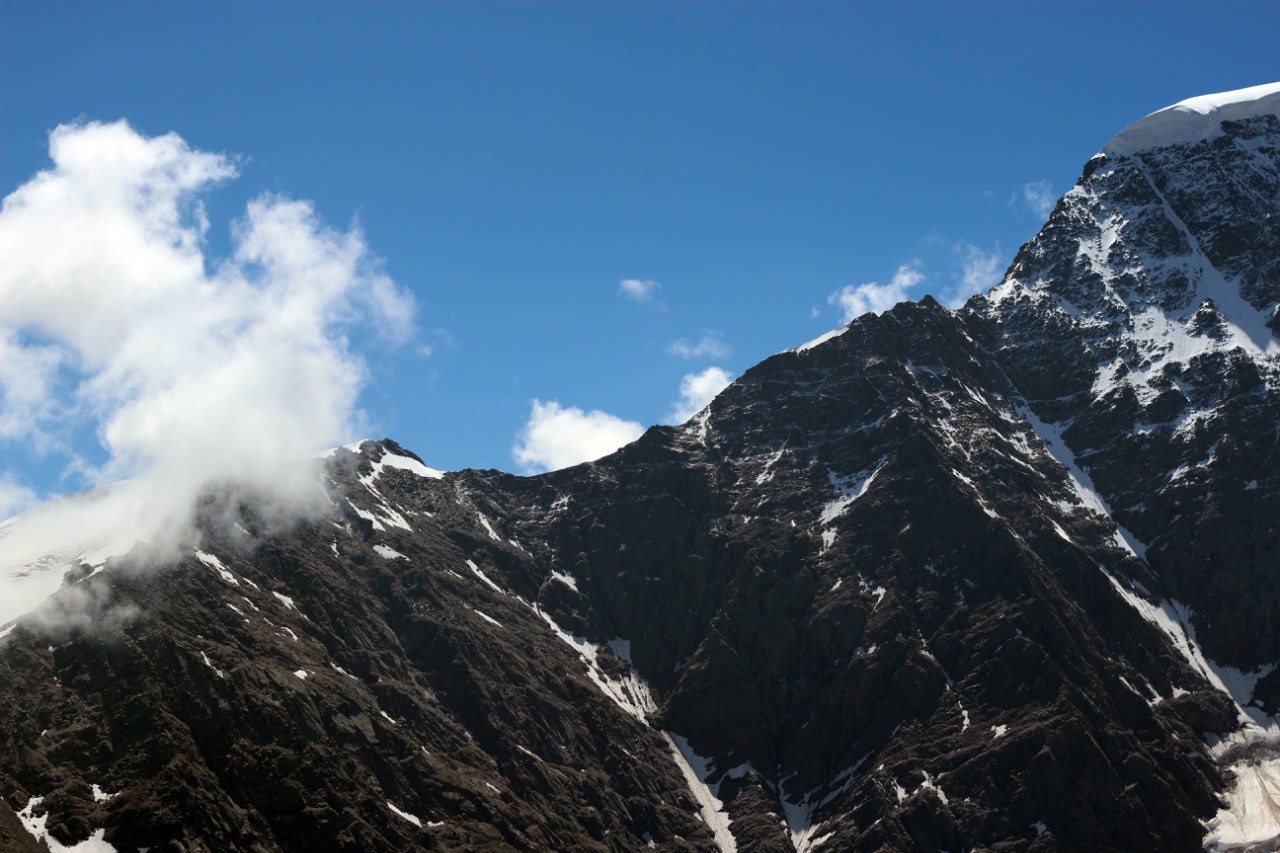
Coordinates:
[1000,578]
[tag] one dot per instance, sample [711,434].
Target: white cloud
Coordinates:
[14,497]
[856,300]
[557,436]
[1038,197]
[980,271]
[192,370]
[696,391]
[639,289]
[28,372]
[709,346]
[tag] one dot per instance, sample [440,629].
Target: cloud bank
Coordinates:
[190,370]
[558,436]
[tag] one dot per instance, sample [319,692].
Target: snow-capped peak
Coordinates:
[1194,119]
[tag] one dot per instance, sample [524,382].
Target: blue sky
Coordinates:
[512,163]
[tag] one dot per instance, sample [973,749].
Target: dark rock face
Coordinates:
[1157,280]
[873,598]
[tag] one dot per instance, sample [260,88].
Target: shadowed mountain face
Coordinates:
[998,579]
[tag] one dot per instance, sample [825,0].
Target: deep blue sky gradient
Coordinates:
[511,162]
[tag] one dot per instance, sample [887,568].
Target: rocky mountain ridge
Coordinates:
[994,579]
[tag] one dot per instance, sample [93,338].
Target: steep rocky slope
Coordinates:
[994,579]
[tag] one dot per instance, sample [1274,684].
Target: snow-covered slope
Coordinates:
[1194,119]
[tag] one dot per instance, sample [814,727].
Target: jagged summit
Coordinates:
[1194,119]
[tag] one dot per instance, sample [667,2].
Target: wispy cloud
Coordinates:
[979,271]
[696,391]
[639,289]
[709,346]
[440,338]
[1038,198]
[558,436]
[14,497]
[190,371]
[854,300]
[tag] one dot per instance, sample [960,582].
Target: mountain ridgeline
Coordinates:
[1002,578]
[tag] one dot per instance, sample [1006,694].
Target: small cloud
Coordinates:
[696,391]
[979,271]
[856,300]
[441,338]
[1038,198]
[708,346]
[557,436]
[639,289]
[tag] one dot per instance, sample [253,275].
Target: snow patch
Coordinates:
[475,570]
[95,843]
[799,816]
[696,770]
[367,516]
[214,563]
[406,463]
[699,426]
[929,785]
[204,657]
[767,474]
[1251,817]
[849,489]
[354,447]
[404,814]
[968,481]
[1174,621]
[1050,436]
[630,693]
[486,617]
[389,553]
[819,340]
[621,650]
[566,579]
